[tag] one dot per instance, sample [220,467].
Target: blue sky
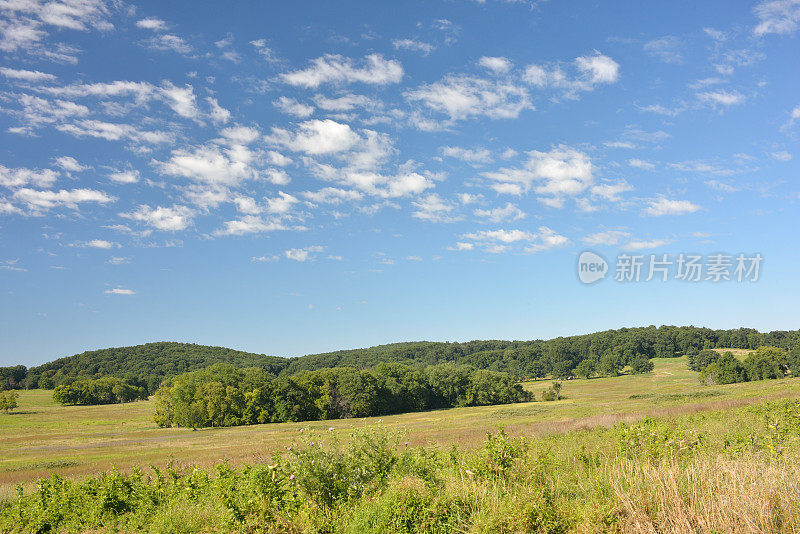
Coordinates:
[293,178]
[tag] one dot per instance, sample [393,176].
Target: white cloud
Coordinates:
[152,23]
[164,218]
[247,205]
[282,203]
[593,70]
[27,75]
[721,97]
[611,191]
[548,239]
[39,201]
[218,114]
[21,176]
[70,164]
[169,42]
[36,110]
[213,164]
[641,164]
[667,49]
[433,208]
[332,195]
[413,45]
[663,206]
[462,97]
[100,243]
[302,254]
[316,137]
[181,99]
[563,171]
[331,68]
[721,186]
[114,132]
[782,155]
[476,155]
[291,106]
[120,291]
[346,102]
[249,224]
[503,236]
[509,212]
[608,237]
[777,16]
[496,65]
[130,176]
[643,245]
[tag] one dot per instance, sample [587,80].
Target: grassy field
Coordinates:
[43,438]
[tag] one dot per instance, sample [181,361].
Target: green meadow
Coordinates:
[41,438]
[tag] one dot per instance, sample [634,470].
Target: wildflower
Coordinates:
[330,429]
[291,477]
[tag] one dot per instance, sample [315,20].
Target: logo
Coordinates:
[591,267]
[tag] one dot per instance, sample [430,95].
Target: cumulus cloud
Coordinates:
[291,106]
[413,45]
[336,69]
[130,176]
[22,176]
[434,209]
[316,137]
[474,155]
[509,212]
[563,171]
[168,42]
[608,237]
[163,218]
[41,201]
[152,23]
[664,206]
[496,65]
[591,71]
[250,224]
[70,164]
[461,97]
[302,254]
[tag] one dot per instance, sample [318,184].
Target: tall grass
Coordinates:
[732,470]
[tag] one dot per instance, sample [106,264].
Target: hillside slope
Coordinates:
[148,364]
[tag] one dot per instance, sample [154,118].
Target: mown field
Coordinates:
[43,438]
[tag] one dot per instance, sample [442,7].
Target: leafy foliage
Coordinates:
[106,390]
[222,395]
[611,351]
[8,400]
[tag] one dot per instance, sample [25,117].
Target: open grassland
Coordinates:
[728,470]
[43,437]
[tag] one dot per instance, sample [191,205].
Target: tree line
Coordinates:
[764,363]
[223,395]
[106,390]
[606,352]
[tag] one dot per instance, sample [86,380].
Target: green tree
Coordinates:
[640,365]
[726,370]
[8,400]
[586,368]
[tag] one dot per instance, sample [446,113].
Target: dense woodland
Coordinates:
[607,353]
[223,395]
[765,363]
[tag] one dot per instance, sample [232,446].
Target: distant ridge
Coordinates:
[148,364]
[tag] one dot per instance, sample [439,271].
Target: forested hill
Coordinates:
[146,365]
